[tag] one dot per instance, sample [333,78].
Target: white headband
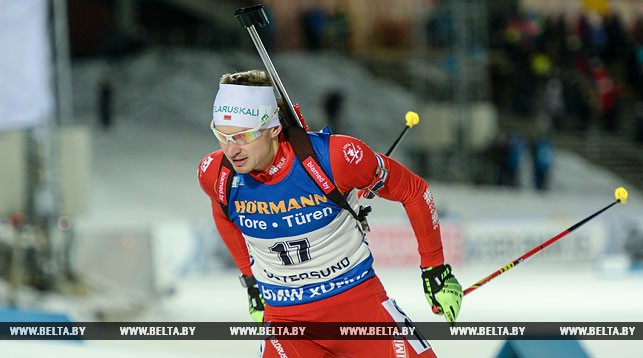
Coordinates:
[245,106]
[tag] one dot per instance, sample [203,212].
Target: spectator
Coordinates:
[514,159]
[106,102]
[314,24]
[543,157]
[554,101]
[607,96]
[333,103]
[639,122]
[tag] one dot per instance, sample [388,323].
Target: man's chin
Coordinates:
[244,169]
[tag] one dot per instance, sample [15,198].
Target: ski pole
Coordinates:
[621,197]
[412,118]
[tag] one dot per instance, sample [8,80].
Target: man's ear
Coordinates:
[274,131]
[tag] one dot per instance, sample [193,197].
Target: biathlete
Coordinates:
[301,256]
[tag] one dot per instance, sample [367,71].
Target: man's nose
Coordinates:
[232,148]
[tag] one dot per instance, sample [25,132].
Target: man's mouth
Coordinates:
[239,161]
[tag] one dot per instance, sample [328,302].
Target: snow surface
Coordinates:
[144,174]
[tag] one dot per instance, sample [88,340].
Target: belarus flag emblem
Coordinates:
[227,117]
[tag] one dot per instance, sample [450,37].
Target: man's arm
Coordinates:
[231,235]
[354,166]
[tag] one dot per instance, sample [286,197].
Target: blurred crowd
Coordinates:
[564,74]
[577,70]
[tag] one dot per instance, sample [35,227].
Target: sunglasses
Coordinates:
[244,137]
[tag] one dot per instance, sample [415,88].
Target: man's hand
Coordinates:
[442,291]
[255,300]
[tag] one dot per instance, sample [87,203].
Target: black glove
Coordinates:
[255,300]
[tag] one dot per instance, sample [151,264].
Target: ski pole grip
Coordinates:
[252,16]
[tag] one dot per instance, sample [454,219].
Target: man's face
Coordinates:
[256,155]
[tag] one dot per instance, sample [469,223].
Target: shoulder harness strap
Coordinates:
[306,155]
[224,183]
[308,158]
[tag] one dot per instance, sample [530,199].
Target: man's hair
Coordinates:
[247,78]
[251,78]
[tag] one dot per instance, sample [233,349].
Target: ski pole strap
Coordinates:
[306,155]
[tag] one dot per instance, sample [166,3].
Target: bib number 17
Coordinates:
[292,252]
